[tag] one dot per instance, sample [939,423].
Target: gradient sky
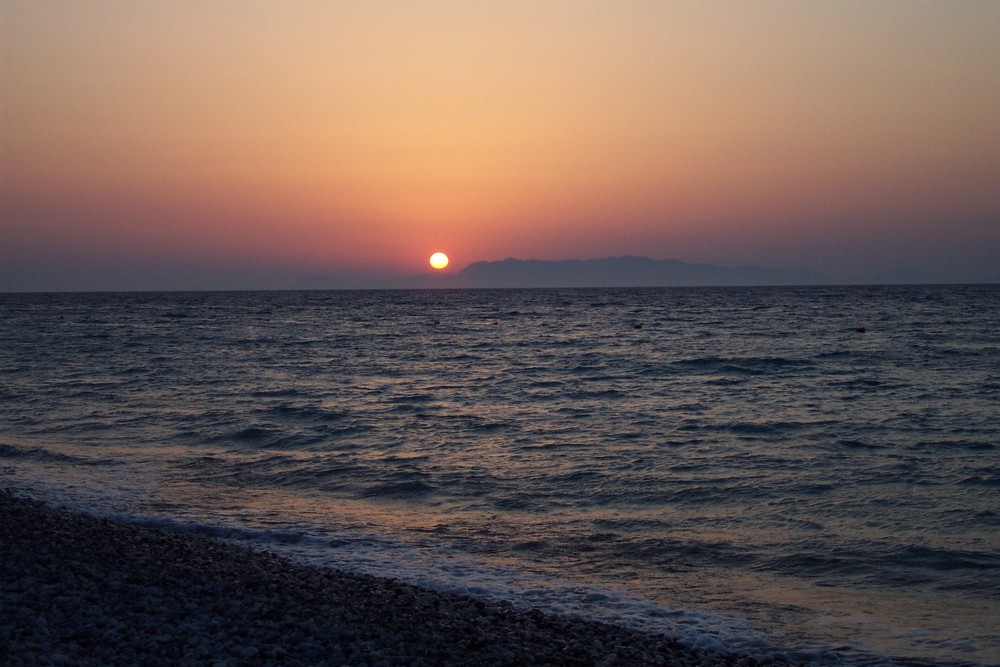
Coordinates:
[187,144]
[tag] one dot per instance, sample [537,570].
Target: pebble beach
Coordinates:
[80,590]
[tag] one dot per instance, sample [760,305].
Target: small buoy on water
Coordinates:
[637,326]
[861,330]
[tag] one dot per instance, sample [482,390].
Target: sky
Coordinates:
[247,144]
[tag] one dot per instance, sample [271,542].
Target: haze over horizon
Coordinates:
[250,145]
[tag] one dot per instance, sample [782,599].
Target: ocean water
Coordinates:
[742,467]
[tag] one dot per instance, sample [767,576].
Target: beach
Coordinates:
[823,497]
[80,590]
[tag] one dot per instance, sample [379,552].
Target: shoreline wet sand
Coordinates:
[80,590]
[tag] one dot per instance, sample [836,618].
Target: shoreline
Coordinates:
[80,590]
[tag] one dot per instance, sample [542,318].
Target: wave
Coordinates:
[742,365]
[882,564]
[852,444]
[312,413]
[409,489]
[988,479]
[41,454]
[767,428]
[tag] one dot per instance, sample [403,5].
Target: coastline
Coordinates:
[91,591]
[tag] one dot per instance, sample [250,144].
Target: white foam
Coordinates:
[130,495]
[444,569]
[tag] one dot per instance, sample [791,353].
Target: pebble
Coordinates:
[129,594]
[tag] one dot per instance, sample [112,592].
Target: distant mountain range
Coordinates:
[621,272]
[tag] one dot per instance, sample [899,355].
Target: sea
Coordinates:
[810,473]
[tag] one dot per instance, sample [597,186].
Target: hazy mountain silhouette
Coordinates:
[621,272]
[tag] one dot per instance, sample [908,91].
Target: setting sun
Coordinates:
[439,260]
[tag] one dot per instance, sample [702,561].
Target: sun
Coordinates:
[439,260]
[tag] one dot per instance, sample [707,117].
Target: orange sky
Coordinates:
[190,144]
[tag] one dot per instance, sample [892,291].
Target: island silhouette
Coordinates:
[625,271]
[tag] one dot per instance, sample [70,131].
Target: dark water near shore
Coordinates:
[739,466]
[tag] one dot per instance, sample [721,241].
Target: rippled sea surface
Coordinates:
[807,471]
